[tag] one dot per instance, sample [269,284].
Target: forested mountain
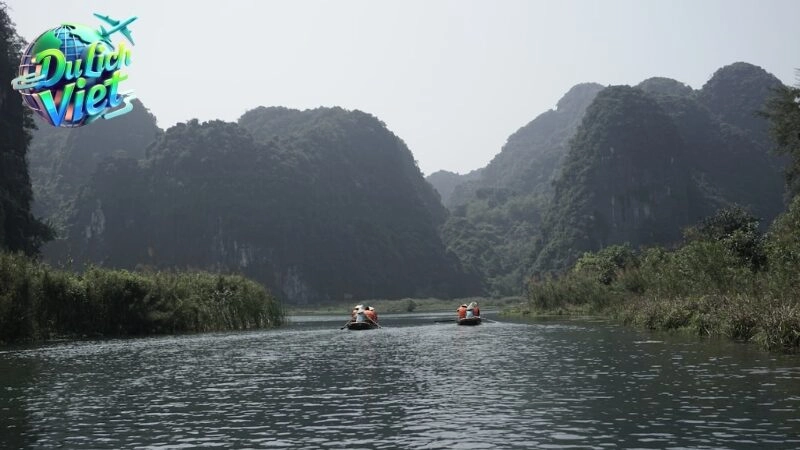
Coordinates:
[320,205]
[531,156]
[19,229]
[648,162]
[728,150]
[645,162]
[328,204]
[625,179]
[495,219]
[63,159]
[445,182]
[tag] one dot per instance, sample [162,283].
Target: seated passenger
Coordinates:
[360,316]
[355,311]
[370,313]
[471,310]
[462,311]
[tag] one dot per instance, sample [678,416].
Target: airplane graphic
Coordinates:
[116,25]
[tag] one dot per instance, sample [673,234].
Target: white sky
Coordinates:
[452,78]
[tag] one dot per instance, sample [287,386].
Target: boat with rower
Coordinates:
[367,325]
[474,320]
[362,318]
[468,314]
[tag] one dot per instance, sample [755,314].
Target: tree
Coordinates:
[783,112]
[737,230]
[19,230]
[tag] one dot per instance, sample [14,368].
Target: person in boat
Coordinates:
[354,312]
[462,311]
[473,310]
[360,315]
[369,311]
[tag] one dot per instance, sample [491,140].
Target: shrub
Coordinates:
[38,302]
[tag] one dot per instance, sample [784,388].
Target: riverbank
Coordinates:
[773,326]
[384,306]
[38,302]
[684,289]
[726,279]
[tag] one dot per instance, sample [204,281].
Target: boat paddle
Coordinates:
[444,320]
[376,323]
[345,325]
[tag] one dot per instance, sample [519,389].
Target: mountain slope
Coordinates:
[329,206]
[495,219]
[445,182]
[63,159]
[625,179]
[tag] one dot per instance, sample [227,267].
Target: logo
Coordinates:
[70,75]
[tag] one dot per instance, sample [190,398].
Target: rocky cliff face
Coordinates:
[326,205]
[495,219]
[62,160]
[625,179]
[648,161]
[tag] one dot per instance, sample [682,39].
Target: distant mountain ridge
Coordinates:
[321,205]
[527,161]
[445,182]
[328,204]
[63,159]
[646,162]
[495,218]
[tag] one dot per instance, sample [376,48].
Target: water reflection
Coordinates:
[412,384]
[16,377]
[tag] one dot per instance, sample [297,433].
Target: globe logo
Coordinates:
[70,75]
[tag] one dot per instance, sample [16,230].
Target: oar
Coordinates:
[444,320]
[490,320]
[376,323]
[345,325]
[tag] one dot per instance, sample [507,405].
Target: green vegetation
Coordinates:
[723,281]
[624,179]
[726,279]
[19,229]
[38,302]
[496,213]
[615,165]
[62,160]
[319,205]
[445,182]
[784,116]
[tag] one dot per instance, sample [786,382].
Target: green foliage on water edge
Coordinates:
[727,279]
[38,302]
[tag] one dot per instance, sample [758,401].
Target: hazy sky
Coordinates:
[452,78]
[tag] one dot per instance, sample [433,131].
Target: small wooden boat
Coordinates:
[469,321]
[367,325]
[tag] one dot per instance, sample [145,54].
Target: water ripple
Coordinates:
[413,384]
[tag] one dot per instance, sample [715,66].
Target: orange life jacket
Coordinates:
[371,315]
[476,311]
[462,312]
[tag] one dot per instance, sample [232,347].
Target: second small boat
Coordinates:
[476,320]
[468,314]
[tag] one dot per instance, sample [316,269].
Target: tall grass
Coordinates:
[705,286]
[38,302]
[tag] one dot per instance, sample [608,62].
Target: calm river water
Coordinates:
[413,384]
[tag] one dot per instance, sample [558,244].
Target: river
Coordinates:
[413,384]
